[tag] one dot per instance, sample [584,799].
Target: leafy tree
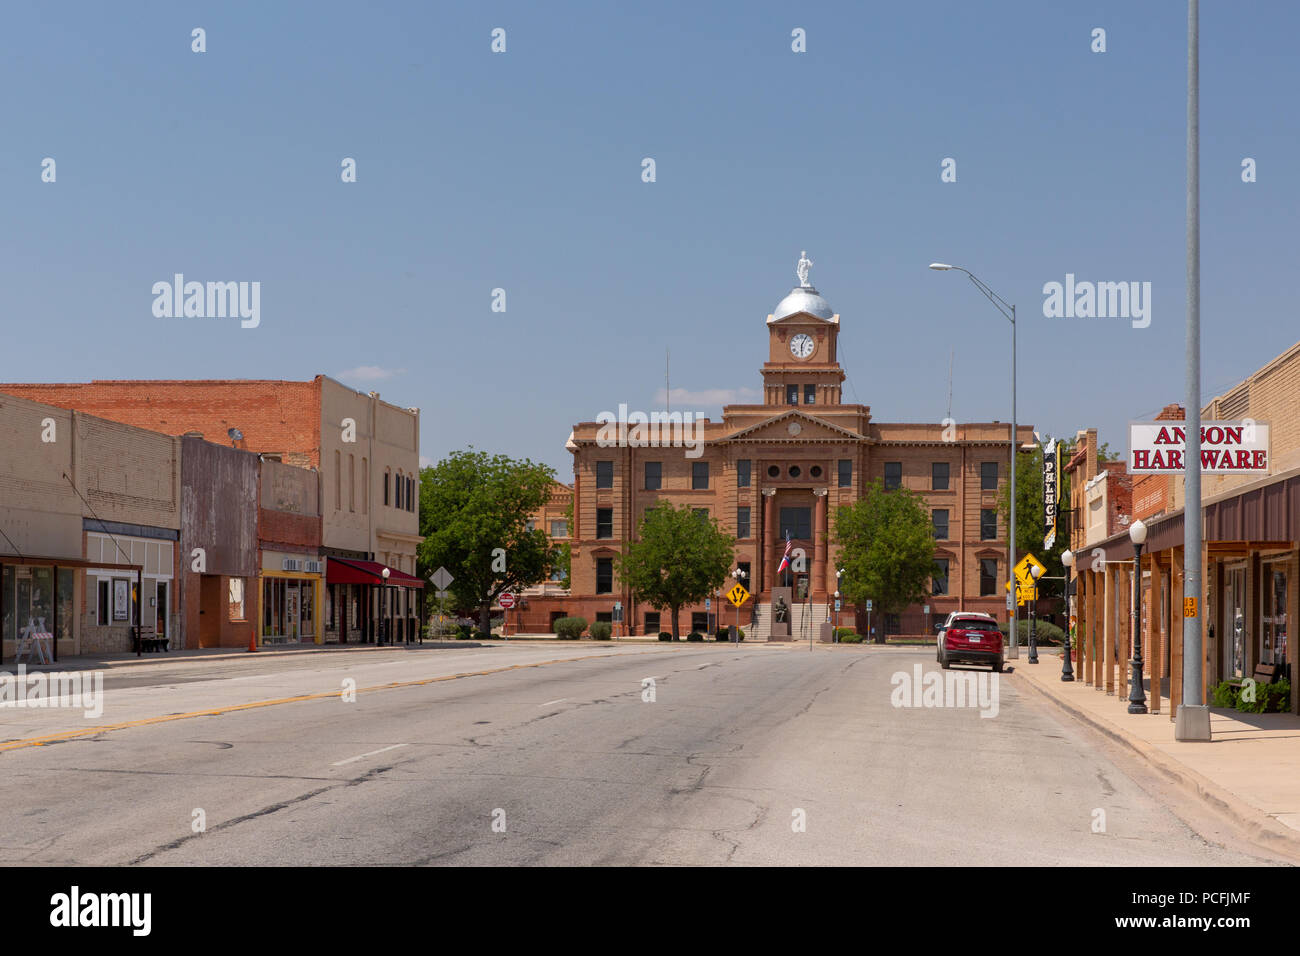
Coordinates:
[679,559]
[886,546]
[471,505]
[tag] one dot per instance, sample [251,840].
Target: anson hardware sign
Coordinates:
[1227,448]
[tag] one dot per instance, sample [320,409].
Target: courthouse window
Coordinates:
[846,472]
[810,394]
[604,474]
[792,394]
[742,522]
[699,474]
[940,519]
[654,475]
[604,522]
[742,473]
[988,576]
[559,529]
[604,575]
[893,475]
[939,476]
[988,524]
[797,522]
[940,577]
[988,476]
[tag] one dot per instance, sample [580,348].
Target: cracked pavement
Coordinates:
[575,767]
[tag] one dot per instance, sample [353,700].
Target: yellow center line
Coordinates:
[217,711]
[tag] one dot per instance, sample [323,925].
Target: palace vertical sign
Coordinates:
[1051,494]
[1227,447]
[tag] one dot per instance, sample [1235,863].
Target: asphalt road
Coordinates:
[567,763]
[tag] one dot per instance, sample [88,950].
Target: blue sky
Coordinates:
[522,171]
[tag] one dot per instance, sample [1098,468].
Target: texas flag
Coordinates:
[785,558]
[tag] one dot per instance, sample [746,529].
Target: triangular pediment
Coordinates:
[808,428]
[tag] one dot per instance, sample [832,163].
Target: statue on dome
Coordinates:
[801,270]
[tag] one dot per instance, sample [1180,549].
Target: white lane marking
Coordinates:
[364,755]
[550,702]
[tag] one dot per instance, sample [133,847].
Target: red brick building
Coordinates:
[784,466]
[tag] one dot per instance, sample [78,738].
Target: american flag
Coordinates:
[785,559]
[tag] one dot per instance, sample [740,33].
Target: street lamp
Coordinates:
[1137,701]
[1035,571]
[383,621]
[1009,311]
[1067,671]
[839,577]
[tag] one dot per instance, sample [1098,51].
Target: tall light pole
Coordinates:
[1137,701]
[1009,311]
[1067,670]
[839,577]
[1192,721]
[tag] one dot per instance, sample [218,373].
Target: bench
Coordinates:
[145,638]
[1264,674]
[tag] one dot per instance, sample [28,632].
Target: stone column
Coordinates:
[819,541]
[770,557]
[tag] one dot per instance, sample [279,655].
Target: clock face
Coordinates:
[801,346]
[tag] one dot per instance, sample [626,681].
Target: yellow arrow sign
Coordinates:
[738,595]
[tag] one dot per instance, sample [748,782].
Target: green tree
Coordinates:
[680,558]
[474,511]
[886,543]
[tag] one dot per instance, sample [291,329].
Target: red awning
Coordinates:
[352,571]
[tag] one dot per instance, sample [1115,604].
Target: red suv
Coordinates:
[969,638]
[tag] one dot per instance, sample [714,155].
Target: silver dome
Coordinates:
[803,300]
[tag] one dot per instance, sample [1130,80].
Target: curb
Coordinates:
[1257,824]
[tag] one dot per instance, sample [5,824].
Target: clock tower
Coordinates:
[802,367]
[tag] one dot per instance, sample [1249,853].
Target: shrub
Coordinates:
[1046,634]
[1225,695]
[1269,698]
[601,630]
[464,632]
[695,636]
[842,631]
[850,638]
[570,628]
[665,635]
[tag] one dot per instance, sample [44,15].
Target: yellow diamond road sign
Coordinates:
[738,595]
[1023,566]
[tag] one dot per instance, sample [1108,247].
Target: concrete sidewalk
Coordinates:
[1250,769]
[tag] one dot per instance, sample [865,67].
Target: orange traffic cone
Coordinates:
[252,642]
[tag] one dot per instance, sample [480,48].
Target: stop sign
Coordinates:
[507,600]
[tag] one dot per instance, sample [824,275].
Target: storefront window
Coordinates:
[67,618]
[236,603]
[9,629]
[1273,634]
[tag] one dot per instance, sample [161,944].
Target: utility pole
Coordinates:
[1192,722]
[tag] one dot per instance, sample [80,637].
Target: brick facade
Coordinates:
[793,452]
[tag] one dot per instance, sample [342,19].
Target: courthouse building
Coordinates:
[782,468]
